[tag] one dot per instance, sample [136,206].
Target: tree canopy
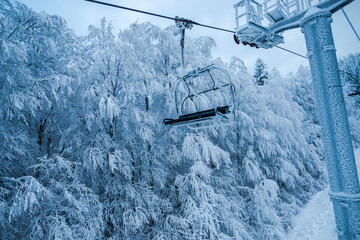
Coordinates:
[85,155]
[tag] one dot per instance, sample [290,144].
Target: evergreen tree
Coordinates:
[260,74]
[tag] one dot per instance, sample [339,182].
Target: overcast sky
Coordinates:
[80,14]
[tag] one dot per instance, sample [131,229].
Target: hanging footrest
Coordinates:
[198,116]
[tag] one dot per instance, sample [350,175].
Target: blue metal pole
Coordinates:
[338,150]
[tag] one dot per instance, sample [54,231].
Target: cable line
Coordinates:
[216,28]
[297,54]
[350,23]
[180,19]
[131,9]
[159,15]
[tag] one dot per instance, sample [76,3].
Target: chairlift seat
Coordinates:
[204,97]
[198,116]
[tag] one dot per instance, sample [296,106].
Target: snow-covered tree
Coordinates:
[53,204]
[260,75]
[350,75]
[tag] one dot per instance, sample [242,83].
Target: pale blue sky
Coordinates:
[80,14]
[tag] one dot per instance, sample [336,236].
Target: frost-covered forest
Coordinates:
[84,153]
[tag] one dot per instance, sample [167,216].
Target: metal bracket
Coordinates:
[329,48]
[345,197]
[182,24]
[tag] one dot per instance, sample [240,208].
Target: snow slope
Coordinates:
[316,220]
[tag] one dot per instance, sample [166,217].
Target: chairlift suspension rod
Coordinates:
[182,45]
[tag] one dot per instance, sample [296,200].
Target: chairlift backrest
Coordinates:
[202,89]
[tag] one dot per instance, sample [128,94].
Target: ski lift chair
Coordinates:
[204,97]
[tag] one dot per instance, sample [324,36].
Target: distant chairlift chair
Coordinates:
[210,92]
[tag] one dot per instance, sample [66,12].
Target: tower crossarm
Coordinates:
[261,25]
[294,21]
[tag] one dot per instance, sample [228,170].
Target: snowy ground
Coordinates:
[316,220]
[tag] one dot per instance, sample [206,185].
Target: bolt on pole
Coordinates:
[338,150]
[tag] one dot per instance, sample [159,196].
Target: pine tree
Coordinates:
[260,72]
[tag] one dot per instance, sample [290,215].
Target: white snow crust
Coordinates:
[316,221]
